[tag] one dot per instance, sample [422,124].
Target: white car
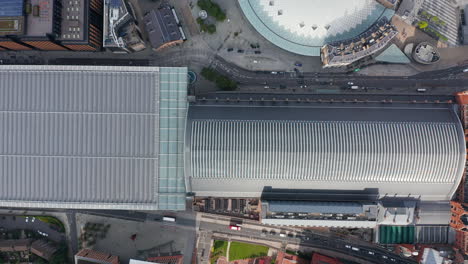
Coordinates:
[27,219]
[465,70]
[282,235]
[235,227]
[347,246]
[355,248]
[371,253]
[33,219]
[350,83]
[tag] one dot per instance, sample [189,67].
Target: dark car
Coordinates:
[298,64]
[230,49]
[258,52]
[240,51]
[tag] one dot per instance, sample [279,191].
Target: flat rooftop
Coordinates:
[40,25]
[92,137]
[11,25]
[11,8]
[73,19]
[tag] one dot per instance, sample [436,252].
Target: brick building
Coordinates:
[51,25]
[86,256]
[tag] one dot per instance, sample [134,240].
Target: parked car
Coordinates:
[465,70]
[240,51]
[230,49]
[257,52]
[298,64]
[234,227]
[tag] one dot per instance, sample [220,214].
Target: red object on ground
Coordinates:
[321,259]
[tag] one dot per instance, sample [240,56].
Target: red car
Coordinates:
[233,227]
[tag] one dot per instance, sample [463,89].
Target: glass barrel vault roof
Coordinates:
[304,26]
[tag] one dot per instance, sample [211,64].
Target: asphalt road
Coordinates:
[444,82]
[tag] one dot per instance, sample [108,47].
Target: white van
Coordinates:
[421,90]
[169,219]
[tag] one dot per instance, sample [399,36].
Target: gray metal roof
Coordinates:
[403,149]
[315,207]
[88,137]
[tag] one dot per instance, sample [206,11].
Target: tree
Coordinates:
[61,255]
[212,9]
[211,28]
[422,24]
[222,82]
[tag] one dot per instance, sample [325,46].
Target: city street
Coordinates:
[211,226]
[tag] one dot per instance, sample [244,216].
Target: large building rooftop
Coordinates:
[304,26]
[92,137]
[237,149]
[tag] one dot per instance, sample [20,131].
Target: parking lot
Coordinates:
[139,239]
[9,222]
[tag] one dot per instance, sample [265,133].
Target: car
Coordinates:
[272,232]
[306,238]
[33,219]
[465,70]
[371,253]
[240,51]
[257,52]
[290,234]
[385,257]
[298,64]
[273,72]
[394,260]
[234,227]
[230,49]
[421,90]
[355,248]
[347,246]
[26,219]
[282,235]
[350,83]
[266,87]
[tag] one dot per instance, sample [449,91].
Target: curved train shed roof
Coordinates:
[400,149]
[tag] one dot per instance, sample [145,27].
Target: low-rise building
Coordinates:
[163,27]
[120,33]
[88,256]
[343,53]
[43,249]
